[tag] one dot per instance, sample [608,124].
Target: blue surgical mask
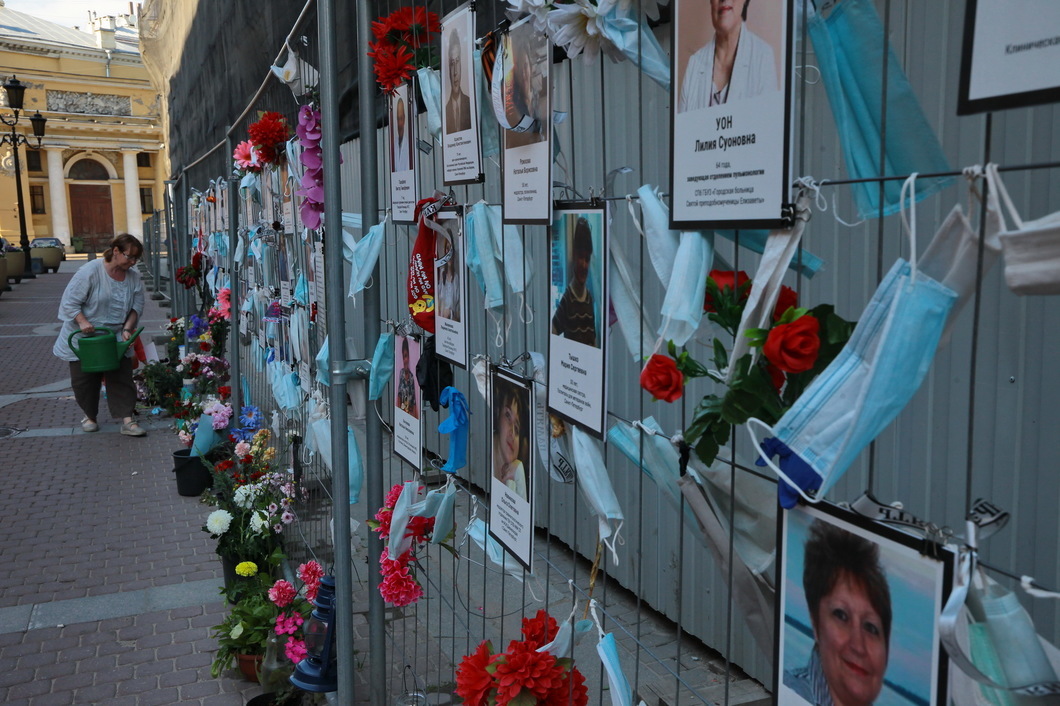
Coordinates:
[607,649]
[488,128]
[508,249]
[655,455]
[398,542]
[301,290]
[324,364]
[660,242]
[870,381]
[299,331]
[682,307]
[629,32]
[597,490]
[569,634]
[284,386]
[382,365]
[363,255]
[456,425]
[480,259]
[354,466]
[445,516]
[478,531]
[849,49]
[429,82]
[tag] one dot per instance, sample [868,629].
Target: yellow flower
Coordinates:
[246,568]
[270,454]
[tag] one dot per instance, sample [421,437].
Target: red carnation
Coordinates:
[540,629]
[473,682]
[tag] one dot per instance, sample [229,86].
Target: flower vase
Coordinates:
[193,477]
[249,665]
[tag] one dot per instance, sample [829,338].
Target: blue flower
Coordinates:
[198,327]
[250,417]
[243,434]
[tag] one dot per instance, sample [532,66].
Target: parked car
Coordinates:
[49,243]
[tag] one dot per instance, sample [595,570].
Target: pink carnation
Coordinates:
[246,157]
[282,593]
[399,588]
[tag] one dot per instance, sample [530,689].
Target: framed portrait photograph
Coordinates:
[730,110]
[1006,47]
[857,610]
[522,103]
[407,402]
[578,296]
[402,147]
[512,464]
[450,287]
[461,154]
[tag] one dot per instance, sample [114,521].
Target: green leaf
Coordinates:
[721,356]
[671,347]
[707,449]
[525,698]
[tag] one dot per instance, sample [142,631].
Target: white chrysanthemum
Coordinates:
[245,496]
[536,8]
[259,522]
[219,521]
[575,27]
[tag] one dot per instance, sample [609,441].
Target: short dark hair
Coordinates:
[743,14]
[124,242]
[832,553]
[583,236]
[404,346]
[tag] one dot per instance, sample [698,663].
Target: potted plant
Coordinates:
[251,620]
[158,384]
[16,263]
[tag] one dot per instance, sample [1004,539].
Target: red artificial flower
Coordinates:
[282,593]
[222,466]
[268,134]
[726,279]
[204,346]
[392,495]
[420,528]
[383,516]
[473,682]
[524,668]
[662,379]
[393,64]
[787,298]
[399,587]
[776,376]
[571,691]
[540,629]
[415,25]
[224,391]
[794,347]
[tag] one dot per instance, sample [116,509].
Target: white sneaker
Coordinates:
[88,425]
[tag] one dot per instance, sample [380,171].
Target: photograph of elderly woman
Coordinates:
[859,614]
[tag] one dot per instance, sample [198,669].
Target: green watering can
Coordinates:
[102,351]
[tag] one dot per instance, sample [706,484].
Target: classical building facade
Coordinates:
[102,166]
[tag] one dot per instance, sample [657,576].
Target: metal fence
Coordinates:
[980,425]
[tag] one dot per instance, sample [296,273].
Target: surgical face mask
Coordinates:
[1032,253]
[445,516]
[301,290]
[508,249]
[682,307]
[480,259]
[849,48]
[607,650]
[284,386]
[629,32]
[299,331]
[871,380]
[296,73]
[806,264]
[382,365]
[655,455]
[597,490]
[323,363]
[363,256]
[478,531]
[569,634]
[660,241]
[758,311]
[429,82]
[399,542]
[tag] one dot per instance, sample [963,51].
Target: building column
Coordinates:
[58,206]
[134,222]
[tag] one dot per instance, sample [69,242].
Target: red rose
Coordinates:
[793,347]
[224,391]
[726,279]
[662,379]
[787,299]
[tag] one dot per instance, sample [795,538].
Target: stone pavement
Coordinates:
[110,586]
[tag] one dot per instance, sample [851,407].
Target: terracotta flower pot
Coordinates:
[248,666]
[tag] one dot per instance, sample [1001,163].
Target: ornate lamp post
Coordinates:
[15,90]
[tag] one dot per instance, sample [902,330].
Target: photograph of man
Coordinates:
[447,278]
[400,149]
[575,315]
[526,87]
[850,612]
[406,385]
[733,65]
[457,103]
[511,436]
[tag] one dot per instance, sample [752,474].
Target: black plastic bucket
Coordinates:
[193,476]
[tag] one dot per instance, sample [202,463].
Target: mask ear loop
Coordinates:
[596,618]
[910,222]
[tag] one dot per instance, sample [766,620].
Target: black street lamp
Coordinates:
[15,90]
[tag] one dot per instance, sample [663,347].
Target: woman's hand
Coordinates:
[86,327]
[126,334]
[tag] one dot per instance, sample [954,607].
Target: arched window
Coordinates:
[89,170]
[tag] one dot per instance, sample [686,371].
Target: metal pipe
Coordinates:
[232,213]
[156,256]
[336,327]
[168,206]
[374,426]
[184,308]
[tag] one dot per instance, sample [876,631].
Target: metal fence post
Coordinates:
[233,282]
[336,325]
